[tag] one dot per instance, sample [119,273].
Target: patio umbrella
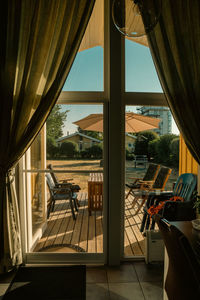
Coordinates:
[134,122]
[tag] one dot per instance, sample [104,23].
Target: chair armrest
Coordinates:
[66,180]
[61,190]
[147,181]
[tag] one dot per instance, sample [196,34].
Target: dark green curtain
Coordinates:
[39,40]
[175,47]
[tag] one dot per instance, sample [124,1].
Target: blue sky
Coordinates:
[87,75]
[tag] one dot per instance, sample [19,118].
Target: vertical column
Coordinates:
[116,144]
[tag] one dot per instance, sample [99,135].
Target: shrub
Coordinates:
[95,151]
[52,149]
[84,154]
[142,142]
[164,148]
[68,149]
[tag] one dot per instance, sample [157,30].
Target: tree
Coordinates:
[94,134]
[164,149]
[55,122]
[153,149]
[174,147]
[142,142]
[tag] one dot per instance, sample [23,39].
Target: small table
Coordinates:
[95,192]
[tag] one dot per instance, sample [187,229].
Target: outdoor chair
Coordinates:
[59,193]
[150,188]
[150,175]
[183,274]
[173,210]
[75,188]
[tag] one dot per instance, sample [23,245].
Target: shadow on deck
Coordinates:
[85,234]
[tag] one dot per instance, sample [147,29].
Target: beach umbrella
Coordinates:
[134,122]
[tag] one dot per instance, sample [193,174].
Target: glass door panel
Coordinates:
[150,143]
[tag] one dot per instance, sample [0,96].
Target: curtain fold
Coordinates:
[175,48]
[39,41]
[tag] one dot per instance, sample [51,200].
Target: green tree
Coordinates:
[174,147]
[164,149]
[94,134]
[153,149]
[142,142]
[55,124]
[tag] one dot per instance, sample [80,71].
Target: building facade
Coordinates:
[160,112]
[83,141]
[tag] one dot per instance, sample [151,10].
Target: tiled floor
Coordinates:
[5,282]
[134,280]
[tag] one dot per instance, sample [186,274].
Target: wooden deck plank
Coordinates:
[52,236]
[135,222]
[63,227]
[127,247]
[99,232]
[78,224]
[91,234]
[132,238]
[87,231]
[50,224]
[83,241]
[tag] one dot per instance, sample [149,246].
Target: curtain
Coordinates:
[175,48]
[39,41]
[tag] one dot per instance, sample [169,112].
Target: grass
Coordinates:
[94,165]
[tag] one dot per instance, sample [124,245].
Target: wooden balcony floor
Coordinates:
[63,234]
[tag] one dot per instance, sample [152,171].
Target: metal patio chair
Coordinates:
[75,188]
[58,193]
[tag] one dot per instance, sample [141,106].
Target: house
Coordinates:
[113,96]
[130,142]
[83,141]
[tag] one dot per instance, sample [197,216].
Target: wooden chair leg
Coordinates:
[130,190]
[136,199]
[140,206]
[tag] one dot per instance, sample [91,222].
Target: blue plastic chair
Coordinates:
[173,211]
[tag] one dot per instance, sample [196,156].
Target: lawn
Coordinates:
[94,165]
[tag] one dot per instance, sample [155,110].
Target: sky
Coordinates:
[87,75]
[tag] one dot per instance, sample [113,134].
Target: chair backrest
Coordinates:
[53,175]
[151,172]
[183,277]
[50,183]
[162,178]
[185,186]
